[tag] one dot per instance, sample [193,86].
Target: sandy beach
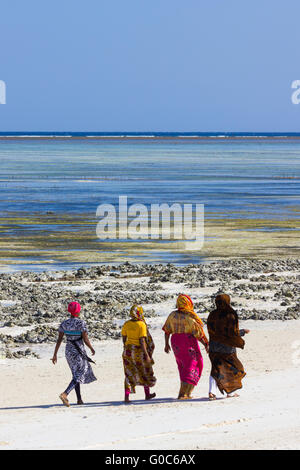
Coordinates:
[265,416]
[149,165]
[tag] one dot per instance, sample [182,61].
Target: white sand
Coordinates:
[265,416]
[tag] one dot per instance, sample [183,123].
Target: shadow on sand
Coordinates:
[103,404]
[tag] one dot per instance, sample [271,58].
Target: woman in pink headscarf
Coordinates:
[76,333]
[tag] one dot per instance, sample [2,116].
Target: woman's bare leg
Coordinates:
[184,391]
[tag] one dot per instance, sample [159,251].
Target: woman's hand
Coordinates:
[148,359]
[58,343]
[167,344]
[93,351]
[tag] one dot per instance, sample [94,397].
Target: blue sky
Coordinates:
[160,65]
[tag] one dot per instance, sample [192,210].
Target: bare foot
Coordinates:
[64,399]
[229,395]
[149,397]
[212,396]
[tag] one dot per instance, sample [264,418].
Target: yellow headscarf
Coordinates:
[185,304]
[137,313]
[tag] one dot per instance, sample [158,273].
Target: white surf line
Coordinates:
[164,434]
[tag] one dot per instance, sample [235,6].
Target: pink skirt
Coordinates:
[188,357]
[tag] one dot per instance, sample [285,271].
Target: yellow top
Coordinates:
[134,330]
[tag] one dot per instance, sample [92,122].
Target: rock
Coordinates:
[41,299]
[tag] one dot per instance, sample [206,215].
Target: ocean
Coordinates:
[250,176]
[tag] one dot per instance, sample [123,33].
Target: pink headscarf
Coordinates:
[74,308]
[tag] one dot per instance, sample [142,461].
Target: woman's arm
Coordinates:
[124,338]
[205,344]
[201,337]
[167,344]
[57,346]
[87,342]
[233,330]
[144,348]
[244,332]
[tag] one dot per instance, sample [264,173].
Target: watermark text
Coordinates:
[183,222]
[296,94]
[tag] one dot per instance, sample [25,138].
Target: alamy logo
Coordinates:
[296,95]
[2,92]
[158,221]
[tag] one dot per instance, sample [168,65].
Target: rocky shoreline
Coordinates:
[36,302]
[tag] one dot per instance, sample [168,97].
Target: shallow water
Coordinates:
[256,179]
[77,176]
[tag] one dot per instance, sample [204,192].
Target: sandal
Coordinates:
[212,397]
[149,397]
[64,399]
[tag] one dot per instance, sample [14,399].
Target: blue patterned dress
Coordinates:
[80,367]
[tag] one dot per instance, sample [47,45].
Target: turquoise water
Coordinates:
[232,178]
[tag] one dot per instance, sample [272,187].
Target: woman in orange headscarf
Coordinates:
[137,354]
[224,337]
[186,329]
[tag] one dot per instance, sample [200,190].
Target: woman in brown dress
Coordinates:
[224,337]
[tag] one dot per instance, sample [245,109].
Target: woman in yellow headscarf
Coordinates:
[137,354]
[186,329]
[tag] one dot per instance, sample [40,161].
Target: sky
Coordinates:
[141,65]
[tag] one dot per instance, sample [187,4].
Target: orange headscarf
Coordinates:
[185,304]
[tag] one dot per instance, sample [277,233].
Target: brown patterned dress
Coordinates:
[224,338]
[137,370]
